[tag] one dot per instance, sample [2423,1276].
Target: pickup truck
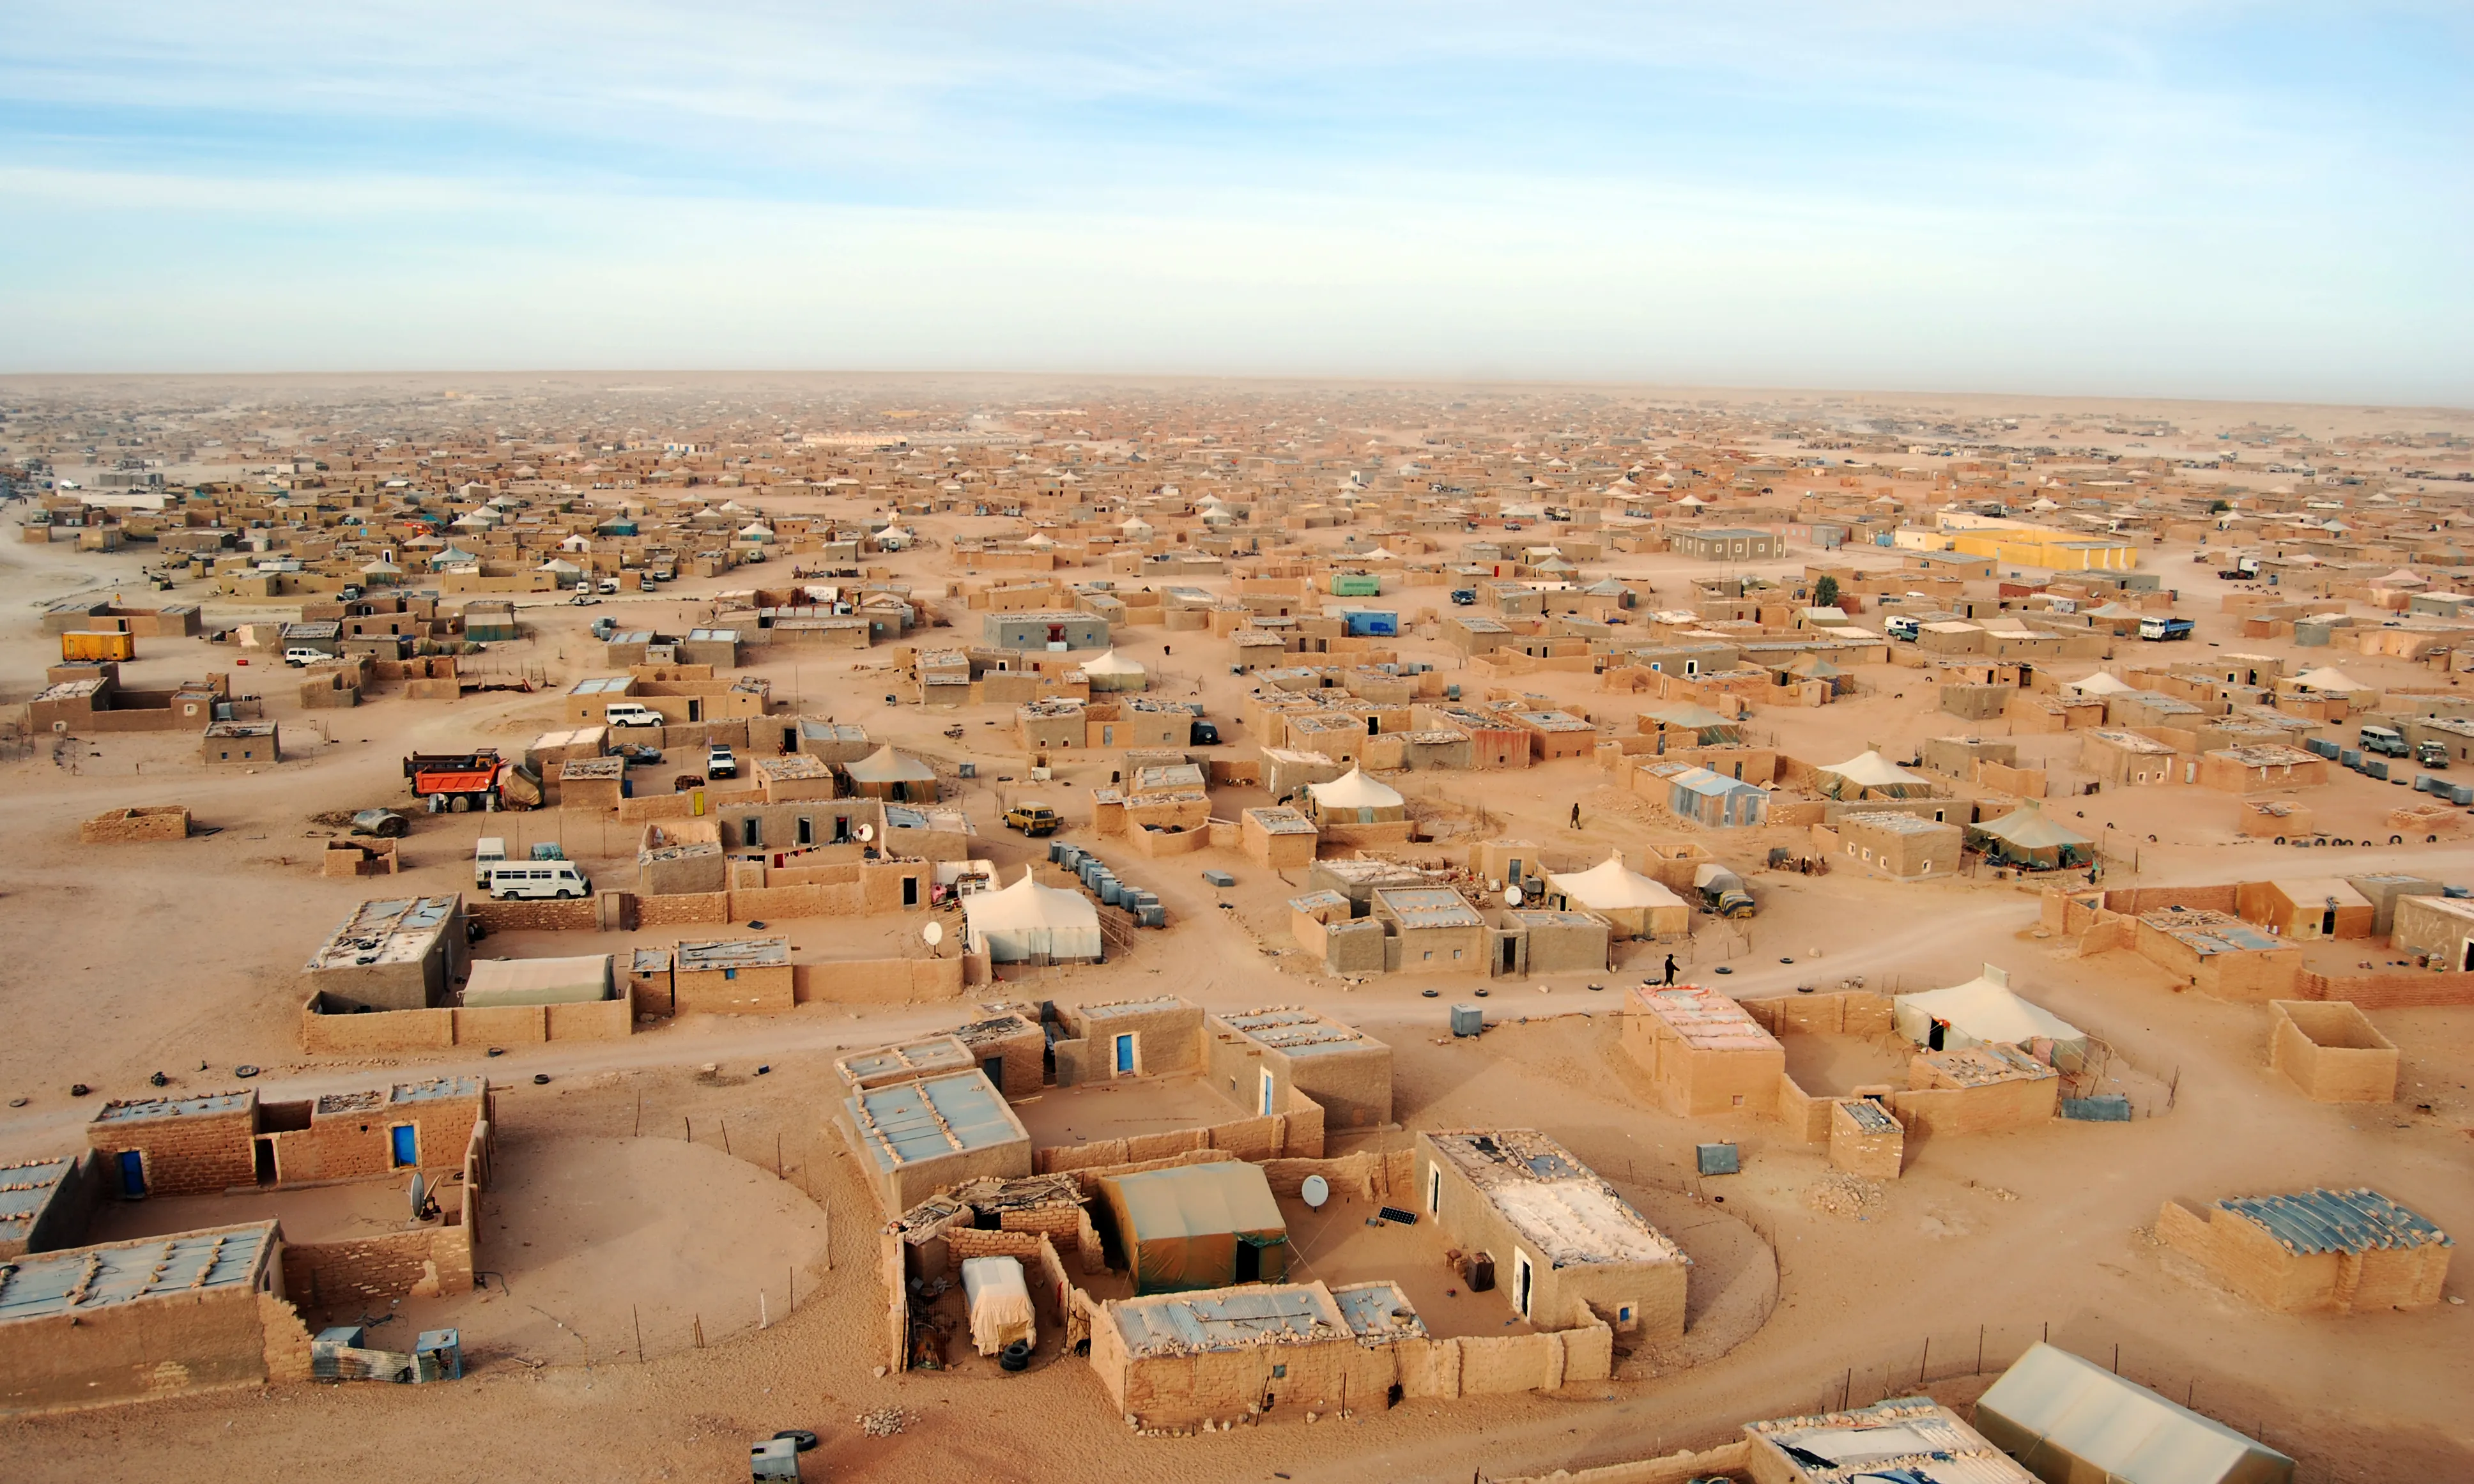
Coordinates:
[1900,627]
[2165,628]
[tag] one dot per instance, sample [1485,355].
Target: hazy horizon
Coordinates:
[2207,202]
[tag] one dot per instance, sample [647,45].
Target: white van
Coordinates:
[630,714]
[489,854]
[528,880]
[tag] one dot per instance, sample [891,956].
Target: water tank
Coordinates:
[1467,1019]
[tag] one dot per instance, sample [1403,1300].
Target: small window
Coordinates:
[1279,1373]
[1430,953]
[1739,1099]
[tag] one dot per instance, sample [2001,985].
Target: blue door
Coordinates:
[133,1175]
[407,1145]
[1124,1054]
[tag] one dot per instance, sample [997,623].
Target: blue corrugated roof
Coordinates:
[2337,1221]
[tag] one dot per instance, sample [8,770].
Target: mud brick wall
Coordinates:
[491,1025]
[1726,1460]
[2331,1053]
[199,1154]
[1870,1155]
[1930,1113]
[571,916]
[1805,1116]
[1180,1392]
[682,910]
[160,1346]
[2131,901]
[2269,975]
[168,822]
[350,1278]
[1062,1225]
[1495,1364]
[285,1342]
[1359,1175]
[353,1034]
[1848,1012]
[892,980]
[2388,991]
[753,991]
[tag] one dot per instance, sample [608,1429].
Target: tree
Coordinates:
[1825,593]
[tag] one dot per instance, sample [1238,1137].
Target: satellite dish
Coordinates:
[866,832]
[419,1193]
[1512,896]
[933,934]
[1315,1190]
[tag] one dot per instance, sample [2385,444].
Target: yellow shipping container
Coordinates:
[98,644]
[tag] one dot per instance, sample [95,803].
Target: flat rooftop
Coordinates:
[1280,821]
[1428,907]
[1228,1318]
[925,1057]
[135,1110]
[1704,1019]
[24,1191]
[907,1121]
[1296,1031]
[1554,1200]
[1892,822]
[1912,1433]
[45,1286]
[1147,1007]
[395,930]
[1979,1066]
[734,953]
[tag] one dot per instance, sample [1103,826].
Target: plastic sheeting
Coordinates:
[1000,1303]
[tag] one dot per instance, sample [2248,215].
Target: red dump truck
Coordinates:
[464,781]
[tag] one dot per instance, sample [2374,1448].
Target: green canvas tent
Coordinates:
[1197,1225]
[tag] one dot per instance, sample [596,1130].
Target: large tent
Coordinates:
[1198,1226]
[2028,835]
[1112,671]
[2064,1418]
[1707,726]
[1028,921]
[1871,775]
[887,774]
[2104,682]
[1984,1012]
[1631,902]
[2328,677]
[1353,799]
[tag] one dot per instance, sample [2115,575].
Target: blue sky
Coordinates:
[2160,198]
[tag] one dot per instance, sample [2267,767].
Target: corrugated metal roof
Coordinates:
[46,1284]
[909,1122]
[1226,1319]
[2338,1221]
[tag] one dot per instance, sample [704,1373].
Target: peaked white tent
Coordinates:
[1109,671]
[1030,921]
[1870,772]
[2328,677]
[1353,793]
[1984,1012]
[1626,898]
[2104,682]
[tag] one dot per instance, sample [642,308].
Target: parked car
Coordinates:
[609,585]
[630,714]
[636,754]
[1033,819]
[720,762]
[297,657]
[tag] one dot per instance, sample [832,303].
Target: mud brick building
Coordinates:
[2341,1251]
[207,1145]
[1702,1052]
[397,953]
[1568,1251]
[1257,1057]
[916,1138]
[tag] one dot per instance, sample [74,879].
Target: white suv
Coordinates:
[720,763]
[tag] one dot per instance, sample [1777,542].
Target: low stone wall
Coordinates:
[580,915]
[877,981]
[436,1029]
[2387,991]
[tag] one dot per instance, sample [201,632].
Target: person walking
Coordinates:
[1670,969]
[1576,815]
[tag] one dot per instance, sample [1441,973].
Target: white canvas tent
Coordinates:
[1028,921]
[1353,799]
[1110,671]
[2104,682]
[1869,774]
[1625,898]
[1984,1012]
[1000,1303]
[2067,1418]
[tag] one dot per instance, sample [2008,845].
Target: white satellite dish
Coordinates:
[866,832]
[1315,1190]
[933,934]
[1512,896]
[419,1197]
